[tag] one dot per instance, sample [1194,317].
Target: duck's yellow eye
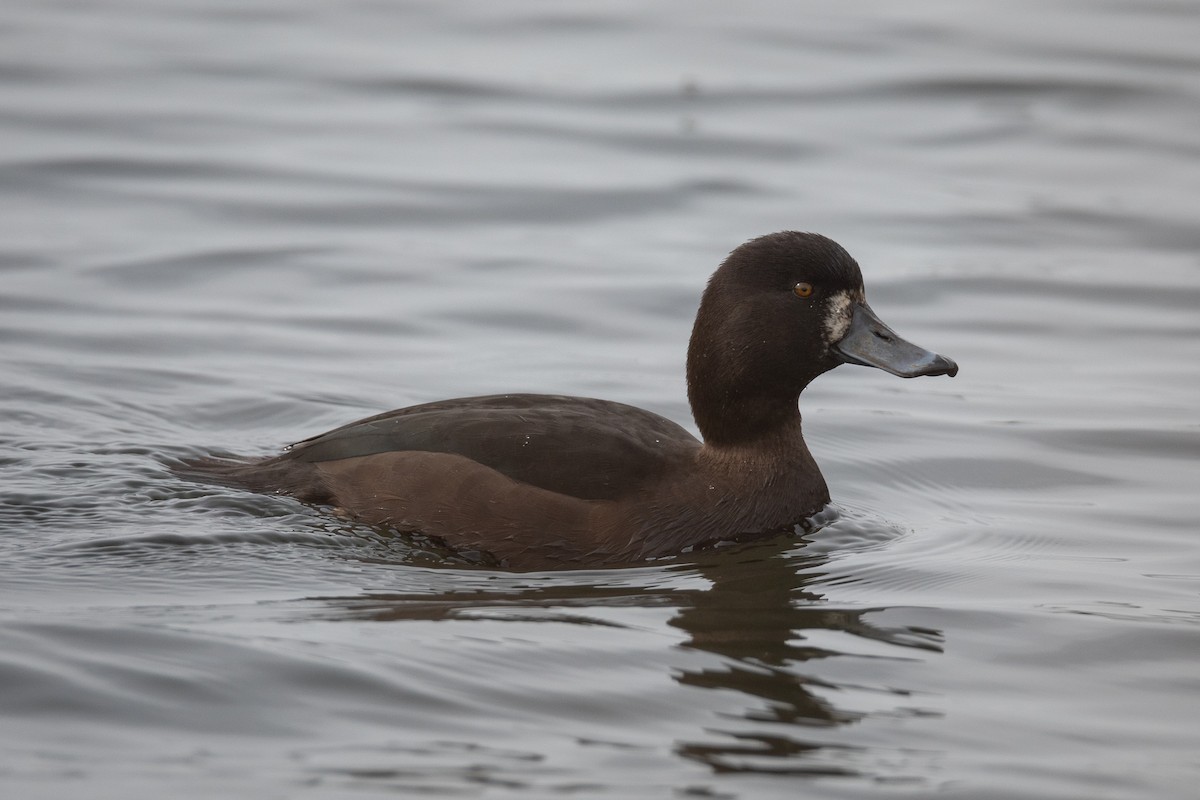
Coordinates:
[803,289]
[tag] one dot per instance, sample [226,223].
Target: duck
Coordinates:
[533,481]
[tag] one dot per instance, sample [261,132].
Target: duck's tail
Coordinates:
[275,475]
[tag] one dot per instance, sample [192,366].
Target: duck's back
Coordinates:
[580,447]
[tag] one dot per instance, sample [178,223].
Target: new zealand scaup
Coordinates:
[544,481]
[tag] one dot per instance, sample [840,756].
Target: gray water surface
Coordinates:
[228,226]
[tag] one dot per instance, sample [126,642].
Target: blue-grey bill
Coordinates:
[871,343]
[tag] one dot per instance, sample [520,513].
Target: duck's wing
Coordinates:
[580,447]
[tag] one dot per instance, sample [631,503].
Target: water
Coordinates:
[227,226]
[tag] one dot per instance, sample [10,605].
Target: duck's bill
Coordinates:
[871,343]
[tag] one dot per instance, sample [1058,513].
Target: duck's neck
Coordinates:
[729,417]
[778,452]
[742,394]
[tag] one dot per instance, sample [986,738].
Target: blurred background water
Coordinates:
[227,226]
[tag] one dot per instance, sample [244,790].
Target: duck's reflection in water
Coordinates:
[772,640]
[761,618]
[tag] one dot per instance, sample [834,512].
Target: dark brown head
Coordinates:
[781,310]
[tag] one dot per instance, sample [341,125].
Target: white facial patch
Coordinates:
[837,318]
